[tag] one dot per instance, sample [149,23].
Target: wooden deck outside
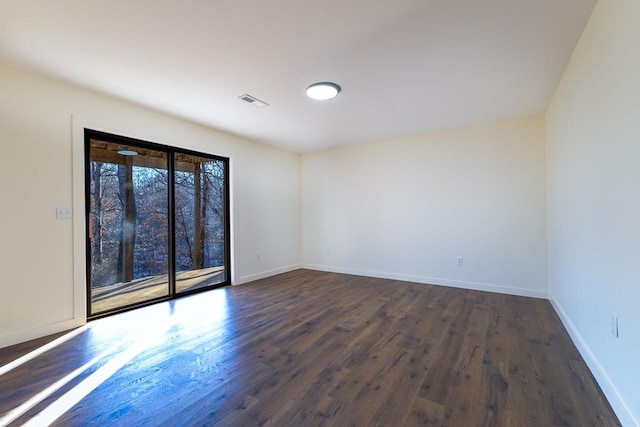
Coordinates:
[147,288]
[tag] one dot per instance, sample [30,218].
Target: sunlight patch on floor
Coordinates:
[41,350]
[80,391]
[143,333]
[47,416]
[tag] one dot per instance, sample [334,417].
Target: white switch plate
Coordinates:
[63,212]
[614,325]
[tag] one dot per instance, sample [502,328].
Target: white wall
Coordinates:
[593,145]
[42,286]
[409,208]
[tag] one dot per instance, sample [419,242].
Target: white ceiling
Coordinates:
[405,66]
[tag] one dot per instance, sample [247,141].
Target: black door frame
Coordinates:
[90,134]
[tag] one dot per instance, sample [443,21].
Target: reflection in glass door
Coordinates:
[199,222]
[128,225]
[157,222]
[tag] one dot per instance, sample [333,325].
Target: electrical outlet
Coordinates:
[257,256]
[460,262]
[63,212]
[328,252]
[614,325]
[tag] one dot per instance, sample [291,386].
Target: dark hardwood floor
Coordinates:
[310,348]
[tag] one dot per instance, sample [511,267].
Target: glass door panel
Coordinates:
[128,225]
[200,229]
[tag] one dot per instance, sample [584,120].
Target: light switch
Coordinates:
[63,212]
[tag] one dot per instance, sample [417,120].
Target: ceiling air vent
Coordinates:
[253,101]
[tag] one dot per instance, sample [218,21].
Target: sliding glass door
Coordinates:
[200,208]
[157,222]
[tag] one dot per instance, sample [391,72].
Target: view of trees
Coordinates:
[199,223]
[129,218]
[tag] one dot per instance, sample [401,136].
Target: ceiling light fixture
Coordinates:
[127,152]
[323,91]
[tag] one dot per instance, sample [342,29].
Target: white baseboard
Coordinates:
[268,273]
[615,400]
[29,334]
[487,287]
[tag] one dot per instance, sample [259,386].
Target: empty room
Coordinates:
[337,213]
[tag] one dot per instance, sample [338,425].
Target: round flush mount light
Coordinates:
[127,153]
[323,91]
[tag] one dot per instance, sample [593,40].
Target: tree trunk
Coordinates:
[128,229]
[205,219]
[96,223]
[197,218]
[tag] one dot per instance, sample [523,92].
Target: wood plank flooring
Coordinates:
[310,348]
